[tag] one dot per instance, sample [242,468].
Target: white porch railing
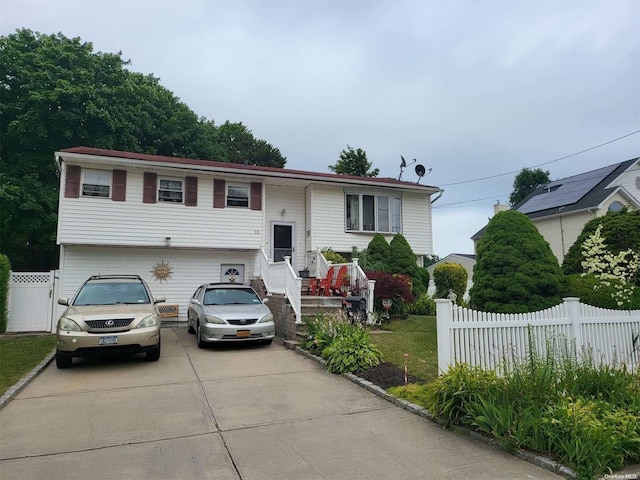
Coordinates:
[485,339]
[280,278]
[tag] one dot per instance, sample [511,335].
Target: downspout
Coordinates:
[440,191]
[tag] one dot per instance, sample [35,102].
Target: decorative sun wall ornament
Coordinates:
[161,271]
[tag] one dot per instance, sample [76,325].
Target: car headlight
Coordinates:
[212,319]
[69,325]
[150,321]
[267,318]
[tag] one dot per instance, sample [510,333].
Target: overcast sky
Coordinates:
[469,89]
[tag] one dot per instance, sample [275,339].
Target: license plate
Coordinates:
[111,340]
[243,333]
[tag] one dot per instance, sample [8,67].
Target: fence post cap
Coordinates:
[442,300]
[571,299]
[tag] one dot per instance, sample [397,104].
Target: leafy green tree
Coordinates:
[621,231]
[403,260]
[526,182]
[515,270]
[58,93]
[377,254]
[450,276]
[240,146]
[354,162]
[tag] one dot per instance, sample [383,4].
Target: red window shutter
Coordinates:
[191,196]
[72,182]
[149,189]
[219,193]
[256,196]
[119,181]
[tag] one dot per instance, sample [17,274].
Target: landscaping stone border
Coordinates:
[540,461]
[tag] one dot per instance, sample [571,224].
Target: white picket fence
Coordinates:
[486,339]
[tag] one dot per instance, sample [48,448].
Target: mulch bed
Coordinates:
[387,375]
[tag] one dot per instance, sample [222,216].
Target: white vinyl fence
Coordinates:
[31,301]
[486,339]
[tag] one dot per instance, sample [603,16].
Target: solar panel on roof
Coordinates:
[569,190]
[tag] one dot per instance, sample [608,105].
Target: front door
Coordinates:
[282,241]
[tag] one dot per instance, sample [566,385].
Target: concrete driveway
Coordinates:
[246,413]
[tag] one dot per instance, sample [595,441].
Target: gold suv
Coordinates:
[109,313]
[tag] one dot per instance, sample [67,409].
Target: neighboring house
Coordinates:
[180,222]
[468,261]
[561,208]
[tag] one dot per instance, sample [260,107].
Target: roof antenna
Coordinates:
[403,165]
[421,172]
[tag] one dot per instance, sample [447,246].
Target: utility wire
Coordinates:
[541,164]
[468,201]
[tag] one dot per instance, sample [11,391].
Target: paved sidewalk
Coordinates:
[248,413]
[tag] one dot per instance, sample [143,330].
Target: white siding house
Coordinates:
[123,212]
[561,208]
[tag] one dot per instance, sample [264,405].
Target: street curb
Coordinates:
[17,388]
[538,460]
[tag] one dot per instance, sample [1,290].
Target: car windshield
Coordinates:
[230,296]
[111,293]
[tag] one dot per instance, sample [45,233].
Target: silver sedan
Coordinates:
[229,312]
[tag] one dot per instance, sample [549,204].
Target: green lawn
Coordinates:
[19,355]
[416,336]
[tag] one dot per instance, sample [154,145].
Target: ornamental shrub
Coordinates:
[377,256]
[402,260]
[395,287]
[515,270]
[450,276]
[424,305]
[590,291]
[5,273]
[351,352]
[621,231]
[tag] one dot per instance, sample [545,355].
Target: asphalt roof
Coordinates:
[273,171]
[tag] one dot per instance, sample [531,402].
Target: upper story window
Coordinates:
[373,213]
[170,190]
[237,195]
[616,206]
[96,183]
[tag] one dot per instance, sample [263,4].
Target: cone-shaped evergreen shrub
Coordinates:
[378,254]
[515,270]
[403,260]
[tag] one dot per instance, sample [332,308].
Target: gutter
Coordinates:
[440,193]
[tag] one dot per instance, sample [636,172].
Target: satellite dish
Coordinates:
[403,163]
[420,170]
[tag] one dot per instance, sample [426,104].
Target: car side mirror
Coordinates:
[195,301]
[265,300]
[160,299]
[63,301]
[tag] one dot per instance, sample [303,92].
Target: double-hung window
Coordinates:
[373,213]
[96,183]
[170,190]
[237,195]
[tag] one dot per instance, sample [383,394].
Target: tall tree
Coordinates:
[58,93]
[354,162]
[515,269]
[526,182]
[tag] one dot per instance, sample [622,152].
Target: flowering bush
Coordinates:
[618,271]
